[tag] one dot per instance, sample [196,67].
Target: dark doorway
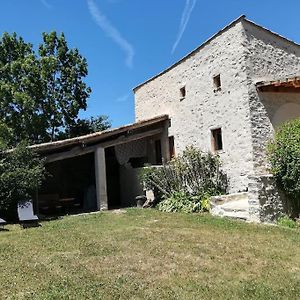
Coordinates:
[171,147]
[112,178]
[69,187]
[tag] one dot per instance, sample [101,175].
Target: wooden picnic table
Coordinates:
[67,200]
[69,203]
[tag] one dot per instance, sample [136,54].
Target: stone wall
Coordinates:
[130,186]
[243,55]
[269,57]
[204,108]
[266,202]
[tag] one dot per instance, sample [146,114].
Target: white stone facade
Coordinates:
[269,57]
[243,54]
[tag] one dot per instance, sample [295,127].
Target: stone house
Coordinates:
[227,96]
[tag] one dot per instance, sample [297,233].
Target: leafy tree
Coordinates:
[284,156]
[86,126]
[41,92]
[21,172]
[62,73]
[20,87]
[6,136]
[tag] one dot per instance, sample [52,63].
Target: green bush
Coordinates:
[284,156]
[187,181]
[21,172]
[181,202]
[287,222]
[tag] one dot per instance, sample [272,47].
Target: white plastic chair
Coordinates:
[2,223]
[26,215]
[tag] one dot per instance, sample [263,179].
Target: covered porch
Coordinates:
[281,99]
[100,171]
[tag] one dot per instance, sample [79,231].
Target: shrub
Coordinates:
[284,156]
[181,202]
[285,221]
[187,181]
[21,172]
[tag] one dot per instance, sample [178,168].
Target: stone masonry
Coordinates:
[266,202]
[205,108]
[269,57]
[243,54]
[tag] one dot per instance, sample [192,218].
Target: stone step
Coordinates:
[232,206]
[244,215]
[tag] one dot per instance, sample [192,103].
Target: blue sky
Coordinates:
[128,41]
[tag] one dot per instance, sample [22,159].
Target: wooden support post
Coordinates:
[100,176]
[165,147]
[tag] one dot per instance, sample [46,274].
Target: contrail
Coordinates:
[111,31]
[188,9]
[46,4]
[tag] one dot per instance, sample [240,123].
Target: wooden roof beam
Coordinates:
[279,89]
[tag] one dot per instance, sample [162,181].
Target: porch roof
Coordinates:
[286,85]
[105,138]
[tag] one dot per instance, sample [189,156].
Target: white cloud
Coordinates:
[123,98]
[188,9]
[111,31]
[46,4]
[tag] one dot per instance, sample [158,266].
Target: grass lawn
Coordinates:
[145,254]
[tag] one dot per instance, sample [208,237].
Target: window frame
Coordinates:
[217,143]
[182,91]
[217,82]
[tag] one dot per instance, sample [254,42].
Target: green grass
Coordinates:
[146,254]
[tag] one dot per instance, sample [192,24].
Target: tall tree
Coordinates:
[86,126]
[20,87]
[6,136]
[62,73]
[41,93]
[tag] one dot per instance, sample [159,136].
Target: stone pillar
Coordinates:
[165,146]
[254,188]
[266,201]
[100,176]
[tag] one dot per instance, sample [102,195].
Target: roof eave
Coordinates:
[98,136]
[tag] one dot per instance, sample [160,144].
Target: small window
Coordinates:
[182,92]
[217,143]
[217,82]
